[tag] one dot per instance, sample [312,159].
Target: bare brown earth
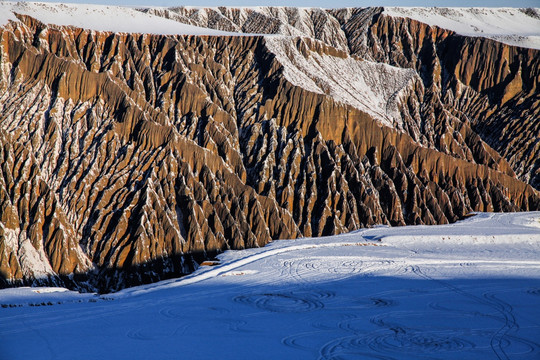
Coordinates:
[126,158]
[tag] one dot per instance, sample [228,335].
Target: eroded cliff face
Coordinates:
[127,158]
[470,82]
[471,88]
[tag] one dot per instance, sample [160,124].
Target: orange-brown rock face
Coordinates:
[127,158]
[473,85]
[473,91]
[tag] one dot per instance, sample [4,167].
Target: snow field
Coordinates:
[520,27]
[100,18]
[469,290]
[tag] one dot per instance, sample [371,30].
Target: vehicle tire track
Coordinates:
[501,338]
[281,302]
[145,334]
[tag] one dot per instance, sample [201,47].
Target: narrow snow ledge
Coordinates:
[101,18]
[374,88]
[518,27]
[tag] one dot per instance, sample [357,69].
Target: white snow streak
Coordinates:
[368,86]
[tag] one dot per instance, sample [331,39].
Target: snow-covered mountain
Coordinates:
[469,290]
[138,143]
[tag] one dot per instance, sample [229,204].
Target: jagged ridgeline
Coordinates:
[128,157]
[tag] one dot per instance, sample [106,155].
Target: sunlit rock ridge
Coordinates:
[135,143]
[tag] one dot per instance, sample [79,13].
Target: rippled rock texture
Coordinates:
[128,158]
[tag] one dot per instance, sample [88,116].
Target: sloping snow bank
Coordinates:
[519,27]
[505,239]
[100,18]
[374,88]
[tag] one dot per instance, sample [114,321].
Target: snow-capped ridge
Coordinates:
[512,26]
[101,18]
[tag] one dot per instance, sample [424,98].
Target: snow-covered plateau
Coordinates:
[513,26]
[100,18]
[519,27]
[469,290]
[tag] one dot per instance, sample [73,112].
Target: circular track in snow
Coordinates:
[282,302]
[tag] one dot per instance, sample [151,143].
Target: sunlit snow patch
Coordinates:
[520,27]
[101,18]
[374,88]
